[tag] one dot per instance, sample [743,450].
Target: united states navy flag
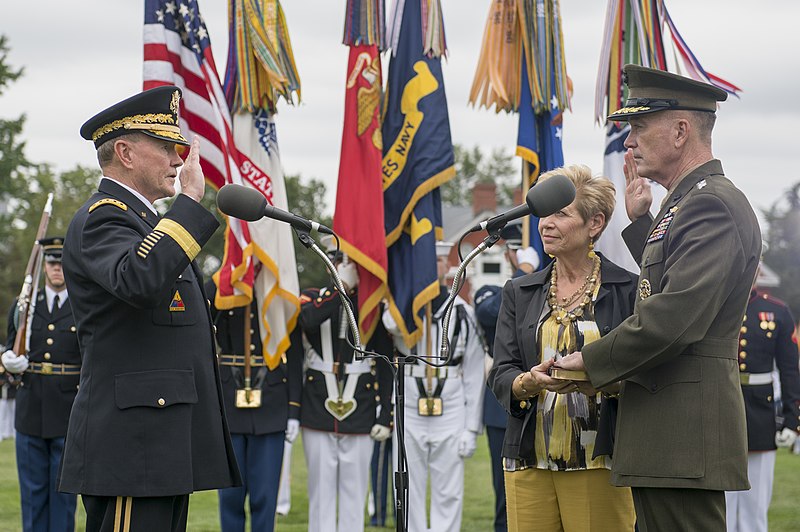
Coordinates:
[417,158]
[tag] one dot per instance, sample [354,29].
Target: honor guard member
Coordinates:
[263,409]
[148,424]
[49,374]
[487,308]
[681,440]
[442,410]
[346,405]
[767,340]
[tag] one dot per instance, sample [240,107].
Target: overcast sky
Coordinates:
[79,57]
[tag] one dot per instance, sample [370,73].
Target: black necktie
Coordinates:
[55,305]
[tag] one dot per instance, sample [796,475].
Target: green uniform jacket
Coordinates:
[681,421]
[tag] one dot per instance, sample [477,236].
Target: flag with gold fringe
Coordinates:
[417,159]
[522,68]
[259,258]
[359,193]
[636,32]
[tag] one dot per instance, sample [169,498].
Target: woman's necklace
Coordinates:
[587,289]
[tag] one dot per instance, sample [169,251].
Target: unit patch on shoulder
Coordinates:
[661,229]
[176,305]
[108,201]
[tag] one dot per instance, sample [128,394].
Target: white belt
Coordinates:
[444,372]
[753,379]
[350,368]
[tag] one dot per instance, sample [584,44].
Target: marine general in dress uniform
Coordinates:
[148,424]
[44,398]
[767,340]
[681,438]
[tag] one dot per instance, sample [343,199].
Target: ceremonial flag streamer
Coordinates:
[359,215]
[635,33]
[417,158]
[177,50]
[522,68]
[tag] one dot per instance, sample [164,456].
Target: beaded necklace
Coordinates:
[560,309]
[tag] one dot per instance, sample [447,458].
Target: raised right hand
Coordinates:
[638,196]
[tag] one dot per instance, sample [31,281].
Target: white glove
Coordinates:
[784,438]
[292,429]
[14,363]
[467,443]
[349,274]
[380,432]
[528,255]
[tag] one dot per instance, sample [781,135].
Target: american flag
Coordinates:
[177,51]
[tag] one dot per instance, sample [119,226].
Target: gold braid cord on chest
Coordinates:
[559,308]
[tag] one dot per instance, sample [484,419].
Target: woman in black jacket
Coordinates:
[557,448]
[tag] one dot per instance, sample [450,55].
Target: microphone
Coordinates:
[249,204]
[543,199]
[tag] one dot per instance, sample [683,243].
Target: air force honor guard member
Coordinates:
[767,340]
[49,383]
[681,437]
[148,424]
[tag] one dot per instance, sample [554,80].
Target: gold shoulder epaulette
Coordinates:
[108,201]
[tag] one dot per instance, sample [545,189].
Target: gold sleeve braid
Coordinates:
[180,235]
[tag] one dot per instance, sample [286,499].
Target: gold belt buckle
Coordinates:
[429,406]
[47,368]
[744,378]
[248,398]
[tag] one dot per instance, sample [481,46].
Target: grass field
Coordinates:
[784,513]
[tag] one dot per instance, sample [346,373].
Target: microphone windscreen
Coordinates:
[550,195]
[241,202]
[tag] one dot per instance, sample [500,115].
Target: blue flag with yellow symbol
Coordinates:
[539,143]
[417,158]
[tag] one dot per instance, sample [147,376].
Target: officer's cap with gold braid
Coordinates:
[153,112]
[52,248]
[651,90]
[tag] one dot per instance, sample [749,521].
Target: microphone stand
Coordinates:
[489,241]
[401,474]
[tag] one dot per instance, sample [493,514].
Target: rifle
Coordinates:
[29,285]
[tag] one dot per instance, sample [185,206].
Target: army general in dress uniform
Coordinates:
[49,373]
[148,424]
[680,438]
[767,340]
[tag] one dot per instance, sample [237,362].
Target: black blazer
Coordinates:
[515,349]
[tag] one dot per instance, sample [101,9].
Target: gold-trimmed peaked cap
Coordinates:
[153,112]
[52,248]
[651,90]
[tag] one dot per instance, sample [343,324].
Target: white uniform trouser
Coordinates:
[6,418]
[285,488]
[338,468]
[432,449]
[746,511]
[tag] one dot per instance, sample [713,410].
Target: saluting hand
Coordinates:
[638,196]
[193,184]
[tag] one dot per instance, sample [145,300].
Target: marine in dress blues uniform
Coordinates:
[767,341]
[44,399]
[148,424]
[257,433]
[346,405]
